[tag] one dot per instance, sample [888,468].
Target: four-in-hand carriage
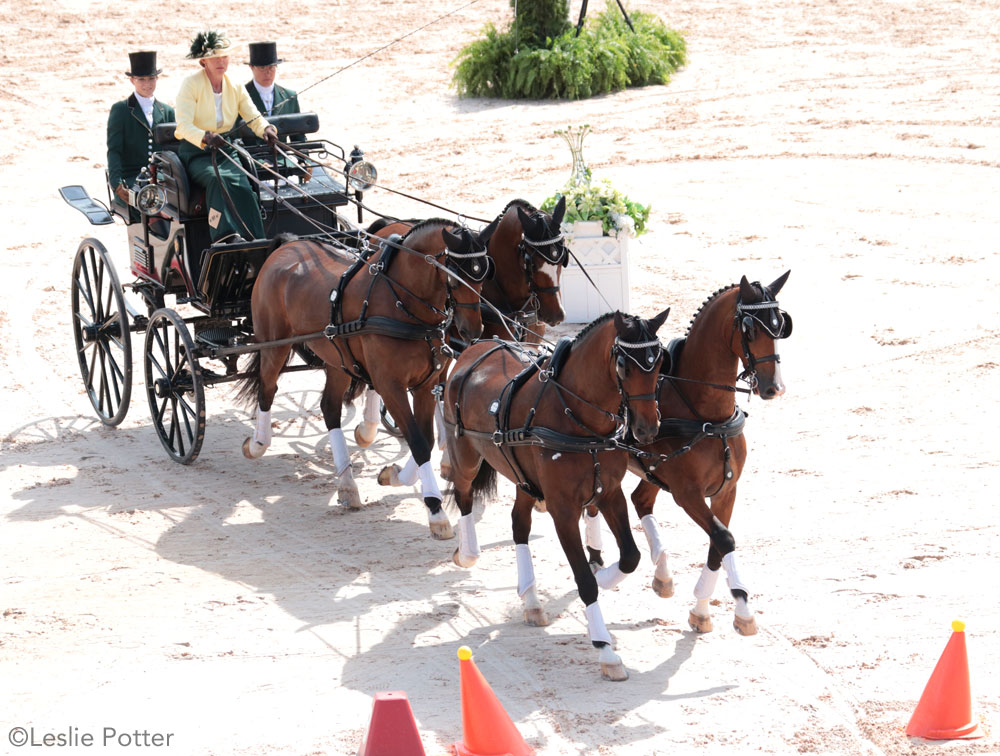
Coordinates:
[171,254]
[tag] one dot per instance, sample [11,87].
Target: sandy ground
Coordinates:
[230,604]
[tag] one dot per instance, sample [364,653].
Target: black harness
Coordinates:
[546,369]
[419,330]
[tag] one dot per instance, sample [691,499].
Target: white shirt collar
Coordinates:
[146,103]
[266,95]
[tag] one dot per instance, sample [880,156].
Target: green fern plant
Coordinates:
[605,57]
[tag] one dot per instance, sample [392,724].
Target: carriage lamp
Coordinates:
[151,199]
[360,173]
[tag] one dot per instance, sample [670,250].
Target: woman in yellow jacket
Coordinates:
[208,104]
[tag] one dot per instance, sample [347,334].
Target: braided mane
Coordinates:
[706,303]
[592,325]
[425,223]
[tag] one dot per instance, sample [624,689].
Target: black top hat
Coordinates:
[264,54]
[143,64]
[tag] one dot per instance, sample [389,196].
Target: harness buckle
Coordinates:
[498,438]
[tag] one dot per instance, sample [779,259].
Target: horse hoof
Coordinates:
[364,434]
[464,560]
[745,626]
[699,624]
[389,476]
[253,450]
[614,672]
[349,498]
[536,617]
[440,527]
[663,588]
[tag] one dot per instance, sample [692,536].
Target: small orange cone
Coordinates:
[392,730]
[486,727]
[945,708]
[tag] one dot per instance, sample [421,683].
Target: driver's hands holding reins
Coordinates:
[271,136]
[213,140]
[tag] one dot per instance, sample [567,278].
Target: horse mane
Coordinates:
[426,223]
[592,325]
[523,204]
[706,303]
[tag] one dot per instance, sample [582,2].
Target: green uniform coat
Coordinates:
[130,139]
[285,102]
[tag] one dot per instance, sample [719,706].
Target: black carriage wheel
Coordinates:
[387,422]
[174,386]
[101,332]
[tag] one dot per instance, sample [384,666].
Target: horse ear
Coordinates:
[776,285]
[747,294]
[487,233]
[620,325]
[560,211]
[659,320]
[451,241]
[525,219]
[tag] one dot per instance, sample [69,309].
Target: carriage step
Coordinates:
[221,337]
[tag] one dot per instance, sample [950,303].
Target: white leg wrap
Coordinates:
[371,406]
[705,586]
[408,475]
[468,544]
[592,530]
[652,538]
[595,624]
[262,433]
[525,570]
[428,481]
[732,574]
[609,577]
[341,457]
[439,424]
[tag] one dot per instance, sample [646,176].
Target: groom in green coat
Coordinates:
[270,98]
[130,128]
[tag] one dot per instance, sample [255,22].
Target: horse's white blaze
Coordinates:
[262,431]
[551,272]
[338,444]
[592,529]
[597,629]
[468,544]
[609,577]
[732,573]
[525,569]
[428,481]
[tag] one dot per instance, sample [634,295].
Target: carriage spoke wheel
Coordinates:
[174,386]
[101,332]
[388,422]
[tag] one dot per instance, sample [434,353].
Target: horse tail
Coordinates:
[484,485]
[248,387]
[354,390]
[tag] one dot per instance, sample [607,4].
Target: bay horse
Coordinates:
[700,450]
[554,426]
[379,320]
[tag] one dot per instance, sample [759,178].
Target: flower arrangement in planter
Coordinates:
[600,201]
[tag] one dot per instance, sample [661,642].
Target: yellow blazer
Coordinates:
[196,109]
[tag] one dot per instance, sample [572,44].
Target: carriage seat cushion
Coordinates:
[291,123]
[188,198]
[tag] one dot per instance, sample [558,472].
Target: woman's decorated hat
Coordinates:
[211,44]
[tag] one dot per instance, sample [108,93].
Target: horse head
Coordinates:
[758,323]
[543,255]
[469,266]
[637,355]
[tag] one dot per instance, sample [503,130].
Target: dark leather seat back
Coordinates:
[188,200]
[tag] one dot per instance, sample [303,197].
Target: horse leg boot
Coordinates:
[436,517]
[394,475]
[520,516]
[467,553]
[663,581]
[612,667]
[615,514]
[255,446]
[365,431]
[347,489]
[593,537]
[700,617]
[743,620]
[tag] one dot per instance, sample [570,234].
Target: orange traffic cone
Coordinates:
[486,728]
[945,708]
[392,730]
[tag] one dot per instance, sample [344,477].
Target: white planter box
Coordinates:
[606,261]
